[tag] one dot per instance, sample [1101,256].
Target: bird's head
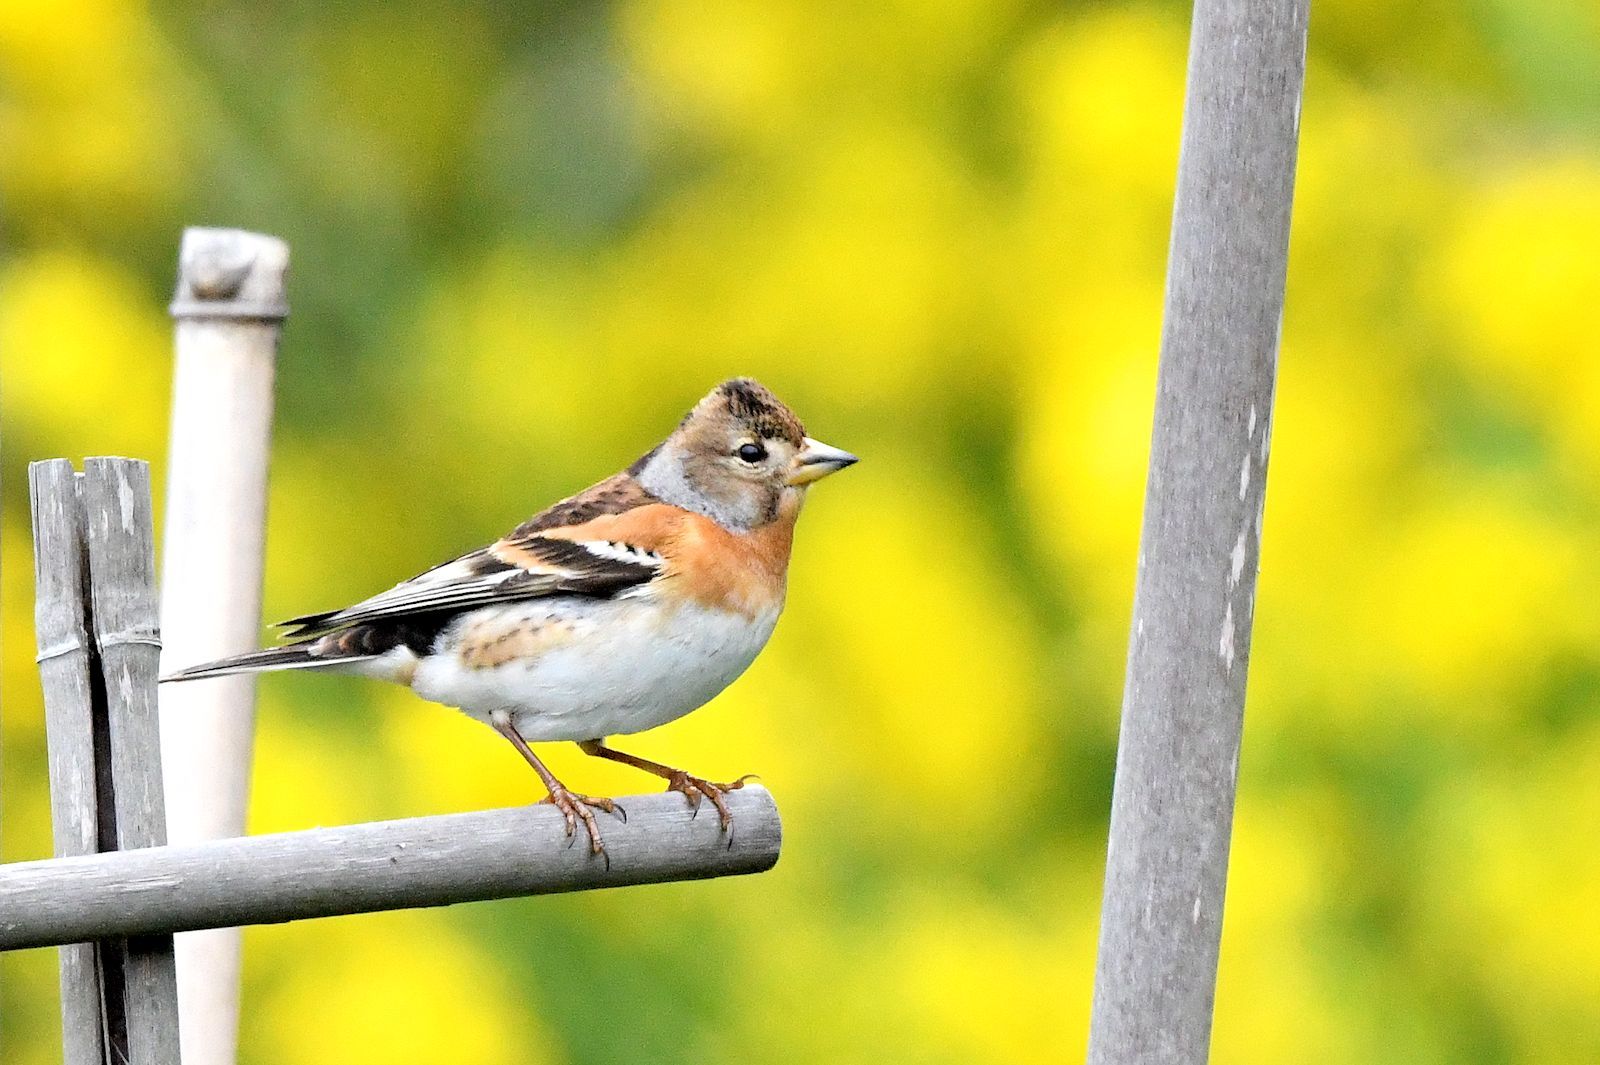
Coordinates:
[739,457]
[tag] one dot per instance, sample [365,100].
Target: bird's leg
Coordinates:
[573,807]
[693,787]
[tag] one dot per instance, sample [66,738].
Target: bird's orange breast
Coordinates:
[705,563]
[737,572]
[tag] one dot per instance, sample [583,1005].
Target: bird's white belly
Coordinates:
[571,669]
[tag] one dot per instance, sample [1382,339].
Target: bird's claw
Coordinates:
[575,807]
[697,788]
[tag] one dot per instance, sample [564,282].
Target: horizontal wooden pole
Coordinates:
[384,865]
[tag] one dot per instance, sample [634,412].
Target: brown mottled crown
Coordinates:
[753,404]
[708,465]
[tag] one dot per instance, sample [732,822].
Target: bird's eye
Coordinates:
[751,452]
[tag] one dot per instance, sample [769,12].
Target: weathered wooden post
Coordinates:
[62,631]
[95,556]
[122,586]
[229,308]
[1177,756]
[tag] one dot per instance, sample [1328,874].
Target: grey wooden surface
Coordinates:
[430,861]
[64,670]
[1177,757]
[116,497]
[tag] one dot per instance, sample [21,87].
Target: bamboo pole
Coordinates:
[427,861]
[122,584]
[229,310]
[61,630]
[1189,652]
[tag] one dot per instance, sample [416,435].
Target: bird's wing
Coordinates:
[599,543]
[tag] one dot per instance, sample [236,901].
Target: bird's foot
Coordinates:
[696,788]
[575,807]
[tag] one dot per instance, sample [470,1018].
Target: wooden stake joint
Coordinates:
[231,273]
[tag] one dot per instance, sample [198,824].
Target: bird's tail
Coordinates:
[291,656]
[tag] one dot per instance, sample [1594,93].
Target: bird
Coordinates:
[613,611]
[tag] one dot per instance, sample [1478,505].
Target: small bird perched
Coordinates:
[616,610]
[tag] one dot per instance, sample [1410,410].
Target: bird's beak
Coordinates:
[815,460]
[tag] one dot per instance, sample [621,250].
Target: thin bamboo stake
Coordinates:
[61,629]
[1178,753]
[122,584]
[229,309]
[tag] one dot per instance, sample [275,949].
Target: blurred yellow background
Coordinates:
[526,238]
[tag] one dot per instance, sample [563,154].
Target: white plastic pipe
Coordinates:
[229,309]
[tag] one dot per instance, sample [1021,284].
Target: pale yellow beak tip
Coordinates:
[815,460]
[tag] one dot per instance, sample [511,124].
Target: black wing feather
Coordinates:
[481,578]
